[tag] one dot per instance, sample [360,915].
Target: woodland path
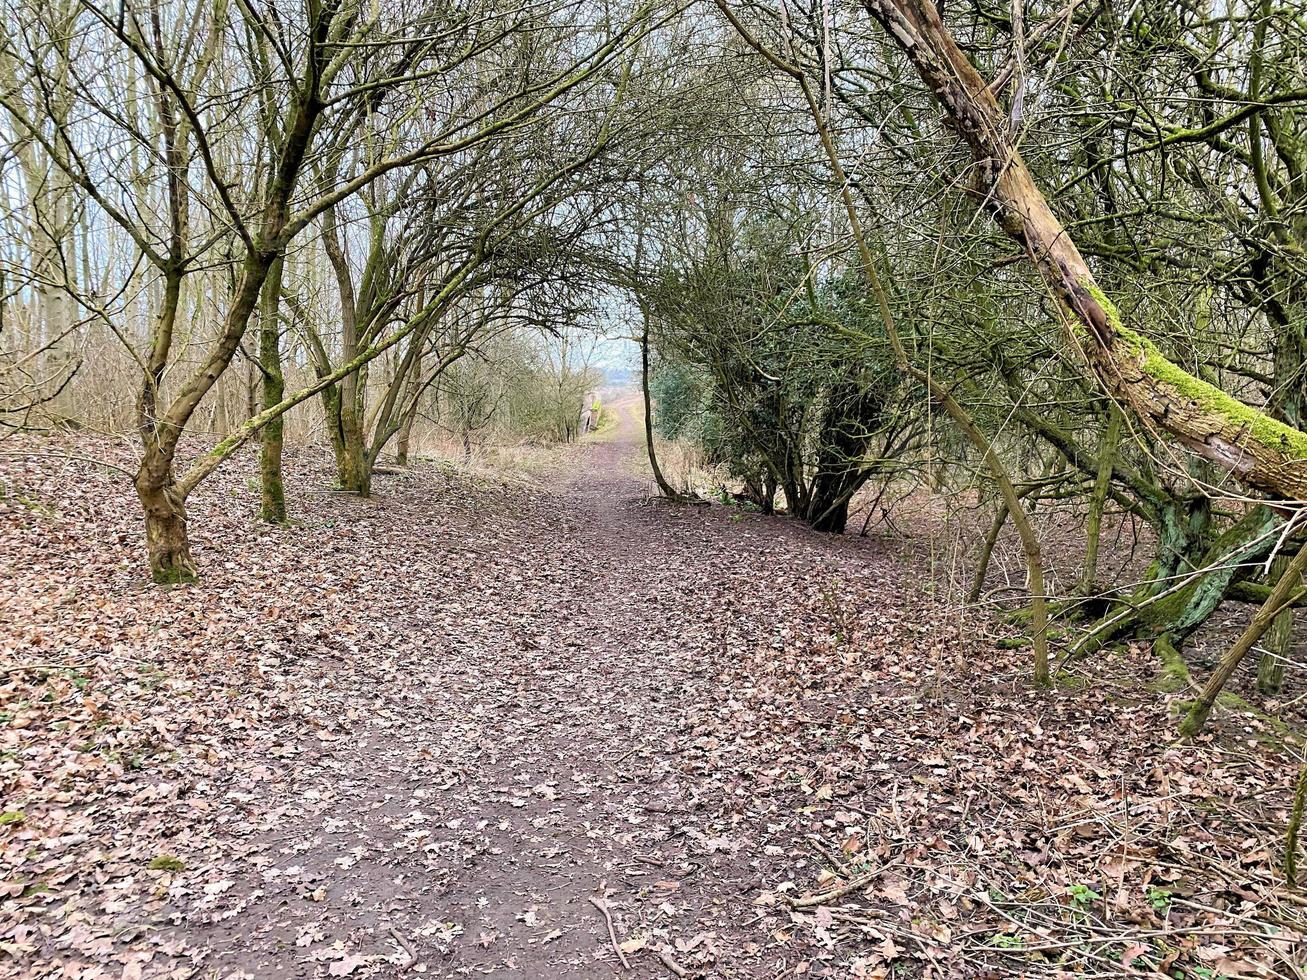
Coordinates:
[549,746]
[415,735]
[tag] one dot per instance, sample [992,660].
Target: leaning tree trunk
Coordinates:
[1282,597]
[1191,578]
[664,487]
[1261,452]
[991,539]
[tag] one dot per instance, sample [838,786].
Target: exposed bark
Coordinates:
[1260,451]
[164,505]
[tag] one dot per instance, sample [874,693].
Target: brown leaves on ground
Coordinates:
[416,734]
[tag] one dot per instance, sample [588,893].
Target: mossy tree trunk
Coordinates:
[272,489]
[164,503]
[1225,561]
[1192,574]
[1260,451]
[1295,825]
[353,470]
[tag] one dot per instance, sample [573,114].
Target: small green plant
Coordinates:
[1006,940]
[167,862]
[1082,896]
[1159,899]
[11,818]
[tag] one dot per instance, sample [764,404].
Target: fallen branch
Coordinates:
[670,963]
[19,668]
[405,948]
[821,898]
[602,906]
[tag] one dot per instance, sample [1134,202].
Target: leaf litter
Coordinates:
[441,731]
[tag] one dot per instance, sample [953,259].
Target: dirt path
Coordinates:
[546,755]
[546,750]
[418,735]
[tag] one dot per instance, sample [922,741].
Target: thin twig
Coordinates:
[602,906]
[405,948]
[75,458]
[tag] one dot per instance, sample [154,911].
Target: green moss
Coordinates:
[1262,428]
[11,818]
[1278,729]
[173,576]
[1013,642]
[166,862]
[1175,672]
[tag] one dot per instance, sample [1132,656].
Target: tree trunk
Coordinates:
[1295,825]
[986,551]
[1107,448]
[1261,452]
[1270,669]
[991,539]
[352,469]
[832,519]
[273,492]
[664,487]
[165,520]
[405,436]
[402,440]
